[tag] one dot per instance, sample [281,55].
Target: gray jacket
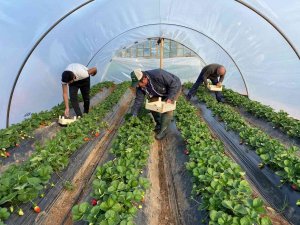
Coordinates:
[162,84]
[211,72]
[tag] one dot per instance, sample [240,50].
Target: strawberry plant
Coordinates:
[279,119]
[4,214]
[118,187]
[219,181]
[282,160]
[23,183]
[11,137]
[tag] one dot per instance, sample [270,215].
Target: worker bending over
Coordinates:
[153,84]
[216,74]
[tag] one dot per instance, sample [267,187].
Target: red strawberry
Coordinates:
[94,202]
[37,209]
[186,152]
[86,139]
[7,154]
[294,187]
[97,134]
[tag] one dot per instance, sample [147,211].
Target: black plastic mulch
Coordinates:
[22,153]
[76,162]
[180,185]
[269,128]
[281,197]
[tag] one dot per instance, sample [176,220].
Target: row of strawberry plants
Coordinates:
[281,159]
[11,137]
[23,183]
[219,181]
[281,119]
[118,187]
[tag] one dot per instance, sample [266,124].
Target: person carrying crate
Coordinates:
[216,74]
[153,84]
[77,76]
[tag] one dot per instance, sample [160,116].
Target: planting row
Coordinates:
[281,159]
[23,183]
[279,119]
[119,187]
[12,136]
[219,181]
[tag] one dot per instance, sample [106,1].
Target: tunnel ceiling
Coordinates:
[257,41]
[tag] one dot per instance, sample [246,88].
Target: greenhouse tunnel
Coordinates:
[257,41]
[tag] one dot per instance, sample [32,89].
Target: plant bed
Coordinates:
[269,128]
[16,133]
[167,201]
[53,156]
[279,196]
[119,185]
[281,119]
[96,151]
[41,135]
[284,161]
[220,182]
[41,125]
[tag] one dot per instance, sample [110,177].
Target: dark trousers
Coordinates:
[84,86]
[159,117]
[199,81]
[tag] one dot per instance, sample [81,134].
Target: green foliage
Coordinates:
[22,183]
[4,214]
[118,186]
[279,119]
[219,181]
[281,159]
[13,135]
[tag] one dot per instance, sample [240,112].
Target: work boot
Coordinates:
[165,122]
[157,119]
[188,97]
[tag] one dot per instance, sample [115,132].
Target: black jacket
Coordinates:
[210,72]
[162,84]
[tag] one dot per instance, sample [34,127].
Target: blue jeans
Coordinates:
[199,81]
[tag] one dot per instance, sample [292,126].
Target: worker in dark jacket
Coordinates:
[216,74]
[156,83]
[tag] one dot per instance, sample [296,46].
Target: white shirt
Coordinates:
[80,71]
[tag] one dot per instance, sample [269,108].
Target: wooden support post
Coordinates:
[161,53]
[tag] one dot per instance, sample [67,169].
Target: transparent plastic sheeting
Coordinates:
[285,14]
[22,23]
[185,67]
[35,103]
[101,28]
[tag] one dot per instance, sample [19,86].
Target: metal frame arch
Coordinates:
[32,50]
[180,43]
[89,1]
[272,24]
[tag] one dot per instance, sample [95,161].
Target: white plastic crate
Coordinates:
[63,121]
[160,106]
[214,88]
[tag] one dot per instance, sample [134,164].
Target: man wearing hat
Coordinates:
[156,83]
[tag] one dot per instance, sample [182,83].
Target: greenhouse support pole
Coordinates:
[161,63]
